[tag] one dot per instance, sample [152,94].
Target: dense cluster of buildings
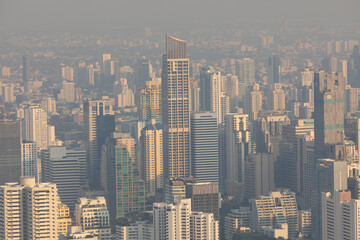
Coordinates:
[154,153]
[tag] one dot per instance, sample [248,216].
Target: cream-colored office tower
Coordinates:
[352,99]
[125,96]
[29,210]
[176,114]
[5,71]
[210,91]
[178,222]
[7,91]
[93,216]
[344,69]
[277,98]
[67,73]
[152,157]
[238,146]
[277,207]
[49,105]
[150,106]
[253,101]
[307,77]
[35,126]
[67,92]
[340,216]
[203,226]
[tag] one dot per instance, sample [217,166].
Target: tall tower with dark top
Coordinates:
[274,69]
[176,115]
[99,123]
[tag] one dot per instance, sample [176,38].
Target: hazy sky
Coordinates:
[134,15]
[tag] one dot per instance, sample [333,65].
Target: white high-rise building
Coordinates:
[176,112]
[35,126]
[238,146]
[277,97]
[210,91]
[67,92]
[49,105]
[93,216]
[307,77]
[7,91]
[340,216]
[152,157]
[253,101]
[140,230]
[29,160]
[29,210]
[67,73]
[178,222]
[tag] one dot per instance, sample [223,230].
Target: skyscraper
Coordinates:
[67,92]
[29,161]
[178,221]
[259,174]
[49,105]
[238,146]
[66,168]
[28,210]
[274,69]
[205,197]
[204,147]
[210,91]
[253,101]
[150,104]
[152,157]
[126,189]
[353,68]
[35,126]
[96,113]
[142,71]
[329,114]
[245,70]
[340,215]
[67,73]
[26,71]
[10,148]
[277,98]
[176,115]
